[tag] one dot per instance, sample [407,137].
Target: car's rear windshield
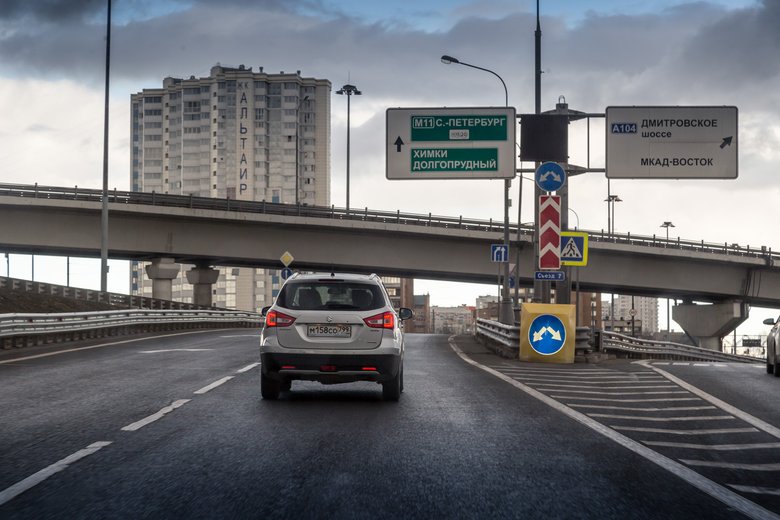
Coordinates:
[327,295]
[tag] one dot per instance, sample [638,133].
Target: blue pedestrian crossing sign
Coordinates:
[547,334]
[499,253]
[574,248]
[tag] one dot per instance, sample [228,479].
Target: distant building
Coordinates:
[589,310]
[645,312]
[235,134]
[400,290]
[422,315]
[453,320]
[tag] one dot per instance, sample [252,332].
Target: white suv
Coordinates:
[773,347]
[332,328]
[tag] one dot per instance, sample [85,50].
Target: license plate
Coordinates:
[330,331]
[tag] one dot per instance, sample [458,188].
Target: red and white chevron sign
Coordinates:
[549,232]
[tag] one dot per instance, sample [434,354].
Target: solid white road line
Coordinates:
[716,447]
[684,432]
[213,385]
[247,368]
[36,478]
[755,421]
[632,387]
[664,419]
[752,489]
[158,415]
[638,409]
[613,393]
[611,400]
[774,466]
[175,350]
[716,491]
[111,344]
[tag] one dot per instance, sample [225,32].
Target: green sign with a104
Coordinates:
[459,128]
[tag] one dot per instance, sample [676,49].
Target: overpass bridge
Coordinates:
[206,232]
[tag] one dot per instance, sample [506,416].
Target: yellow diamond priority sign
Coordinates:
[287,258]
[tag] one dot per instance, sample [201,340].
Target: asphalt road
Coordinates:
[174,427]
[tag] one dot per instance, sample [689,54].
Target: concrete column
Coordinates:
[708,324]
[161,272]
[202,278]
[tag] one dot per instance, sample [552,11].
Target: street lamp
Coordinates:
[611,200]
[505,314]
[297,150]
[667,224]
[348,90]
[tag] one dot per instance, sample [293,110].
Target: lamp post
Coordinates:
[667,224]
[298,150]
[104,208]
[611,200]
[348,90]
[505,314]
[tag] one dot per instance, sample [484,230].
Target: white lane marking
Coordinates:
[157,415]
[213,385]
[613,393]
[716,491]
[684,432]
[36,478]
[247,368]
[716,447]
[774,466]
[681,364]
[27,358]
[662,363]
[664,419]
[702,364]
[175,350]
[243,336]
[752,489]
[733,410]
[590,380]
[656,387]
[611,400]
[639,409]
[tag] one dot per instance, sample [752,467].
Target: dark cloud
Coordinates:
[49,10]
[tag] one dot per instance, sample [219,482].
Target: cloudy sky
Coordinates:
[596,53]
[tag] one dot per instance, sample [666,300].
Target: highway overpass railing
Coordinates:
[505,340]
[332,212]
[627,346]
[24,330]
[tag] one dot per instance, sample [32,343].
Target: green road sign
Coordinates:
[459,128]
[451,143]
[455,159]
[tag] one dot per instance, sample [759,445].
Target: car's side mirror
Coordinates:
[769,321]
[405,314]
[265,310]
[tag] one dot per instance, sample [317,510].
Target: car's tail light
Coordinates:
[278,319]
[386,320]
[368,369]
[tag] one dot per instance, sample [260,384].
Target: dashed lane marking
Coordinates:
[175,350]
[213,385]
[36,478]
[247,368]
[155,416]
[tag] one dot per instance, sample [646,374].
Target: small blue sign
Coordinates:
[550,176]
[286,273]
[572,248]
[547,334]
[554,276]
[511,282]
[499,253]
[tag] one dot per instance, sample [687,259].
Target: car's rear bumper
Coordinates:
[330,368]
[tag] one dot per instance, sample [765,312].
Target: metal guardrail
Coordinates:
[193,202]
[93,296]
[613,342]
[21,330]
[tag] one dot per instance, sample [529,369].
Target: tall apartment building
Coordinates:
[646,311]
[236,134]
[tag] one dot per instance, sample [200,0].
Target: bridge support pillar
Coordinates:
[202,278]
[708,324]
[162,271]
